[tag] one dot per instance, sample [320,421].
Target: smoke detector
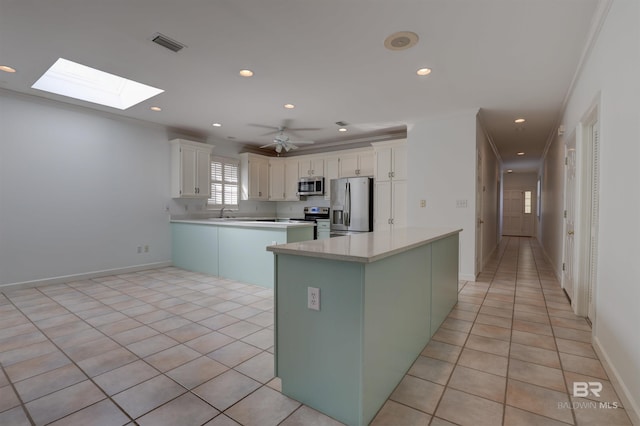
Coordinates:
[401,40]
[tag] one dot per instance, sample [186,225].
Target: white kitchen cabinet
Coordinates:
[190,169]
[283,179]
[331,171]
[254,177]
[357,164]
[310,166]
[291,180]
[277,179]
[390,177]
[390,160]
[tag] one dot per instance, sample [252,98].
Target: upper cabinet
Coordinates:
[291,174]
[276,179]
[359,163]
[283,179]
[331,171]
[310,166]
[190,169]
[390,160]
[254,177]
[390,180]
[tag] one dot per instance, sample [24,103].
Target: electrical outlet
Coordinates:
[139,249]
[146,249]
[313,298]
[423,203]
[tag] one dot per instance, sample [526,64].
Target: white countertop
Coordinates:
[245,223]
[367,247]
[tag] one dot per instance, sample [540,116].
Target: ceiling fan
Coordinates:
[282,141]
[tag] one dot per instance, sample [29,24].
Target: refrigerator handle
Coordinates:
[347,216]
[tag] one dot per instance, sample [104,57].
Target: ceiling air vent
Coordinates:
[165,41]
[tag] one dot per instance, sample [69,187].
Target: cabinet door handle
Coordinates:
[392,221]
[393,174]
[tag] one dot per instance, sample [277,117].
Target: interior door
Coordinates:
[479,216]
[512,213]
[570,215]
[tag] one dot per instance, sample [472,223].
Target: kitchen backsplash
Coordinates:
[197,209]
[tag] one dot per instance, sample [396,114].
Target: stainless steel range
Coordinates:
[313,213]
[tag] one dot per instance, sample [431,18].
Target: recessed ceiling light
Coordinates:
[79,81]
[342,129]
[520,153]
[519,120]
[7,68]
[217,125]
[155,108]
[424,71]
[289,106]
[246,73]
[509,171]
[401,40]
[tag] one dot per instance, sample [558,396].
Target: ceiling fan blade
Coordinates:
[303,142]
[264,126]
[270,144]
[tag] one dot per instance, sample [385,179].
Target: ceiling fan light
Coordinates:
[278,148]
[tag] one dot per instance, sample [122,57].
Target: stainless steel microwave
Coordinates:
[311,186]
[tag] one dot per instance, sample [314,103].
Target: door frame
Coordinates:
[586,220]
[569,143]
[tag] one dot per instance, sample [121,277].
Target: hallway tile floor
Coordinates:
[172,347]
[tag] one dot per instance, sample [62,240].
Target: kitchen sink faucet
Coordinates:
[221,211]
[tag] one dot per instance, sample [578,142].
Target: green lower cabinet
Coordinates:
[195,247]
[237,253]
[374,320]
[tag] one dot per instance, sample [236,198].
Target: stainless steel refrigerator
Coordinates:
[351,205]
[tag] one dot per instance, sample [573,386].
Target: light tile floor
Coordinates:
[171,347]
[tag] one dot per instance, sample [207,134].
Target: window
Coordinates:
[527,202]
[224,183]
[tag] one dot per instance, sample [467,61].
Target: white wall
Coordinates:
[441,156]
[611,73]
[79,191]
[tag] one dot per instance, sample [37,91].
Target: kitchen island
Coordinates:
[233,248]
[382,295]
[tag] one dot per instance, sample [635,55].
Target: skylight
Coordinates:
[79,81]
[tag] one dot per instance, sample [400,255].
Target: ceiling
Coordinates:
[510,58]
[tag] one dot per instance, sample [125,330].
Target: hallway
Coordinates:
[171,347]
[508,354]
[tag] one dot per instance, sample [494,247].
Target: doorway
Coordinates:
[518,212]
[569,214]
[580,255]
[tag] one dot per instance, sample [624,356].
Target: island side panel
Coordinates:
[195,247]
[243,255]
[444,278]
[319,353]
[296,234]
[396,322]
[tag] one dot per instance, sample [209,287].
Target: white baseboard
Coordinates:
[631,406]
[466,277]
[85,276]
